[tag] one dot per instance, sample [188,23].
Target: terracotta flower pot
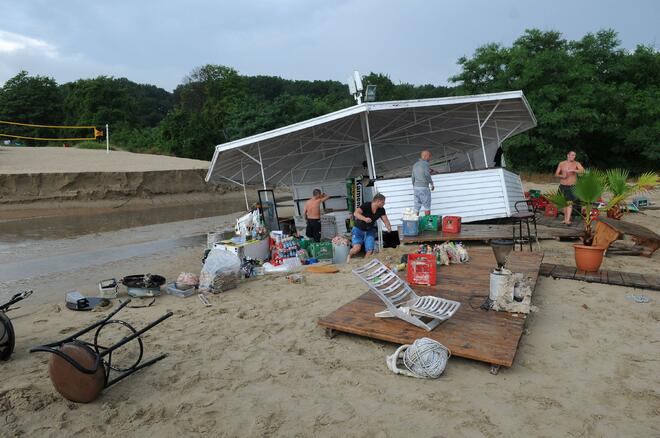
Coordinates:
[588,258]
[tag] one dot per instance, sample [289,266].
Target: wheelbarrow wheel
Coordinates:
[7,337]
[72,383]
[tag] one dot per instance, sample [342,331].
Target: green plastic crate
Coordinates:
[321,250]
[429,223]
[304,243]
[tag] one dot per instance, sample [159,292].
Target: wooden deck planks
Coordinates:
[473,333]
[478,232]
[617,278]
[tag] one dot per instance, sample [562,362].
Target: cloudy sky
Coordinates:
[160,41]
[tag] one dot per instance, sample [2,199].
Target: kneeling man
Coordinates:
[365,229]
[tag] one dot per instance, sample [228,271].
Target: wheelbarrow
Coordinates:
[80,370]
[7,335]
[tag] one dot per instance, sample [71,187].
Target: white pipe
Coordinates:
[247,204]
[371,149]
[481,136]
[107,139]
[261,163]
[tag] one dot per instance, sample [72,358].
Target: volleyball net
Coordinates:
[95,132]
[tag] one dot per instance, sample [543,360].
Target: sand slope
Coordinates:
[64,160]
[29,175]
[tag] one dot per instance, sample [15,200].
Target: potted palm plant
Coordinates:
[589,190]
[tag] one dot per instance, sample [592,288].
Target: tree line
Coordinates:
[589,95]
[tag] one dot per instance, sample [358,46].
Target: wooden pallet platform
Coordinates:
[617,278]
[489,232]
[473,333]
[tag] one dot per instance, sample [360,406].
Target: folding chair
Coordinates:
[401,301]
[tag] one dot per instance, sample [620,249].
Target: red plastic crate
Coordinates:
[551,211]
[451,224]
[422,269]
[540,203]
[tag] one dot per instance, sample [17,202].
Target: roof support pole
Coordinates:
[481,136]
[368,151]
[490,113]
[467,154]
[261,163]
[499,144]
[247,204]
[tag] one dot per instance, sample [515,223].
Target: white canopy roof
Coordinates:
[462,131]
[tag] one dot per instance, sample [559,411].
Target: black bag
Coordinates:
[391,239]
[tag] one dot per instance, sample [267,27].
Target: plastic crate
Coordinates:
[328,227]
[429,223]
[540,203]
[451,224]
[410,228]
[422,269]
[551,211]
[321,250]
[304,242]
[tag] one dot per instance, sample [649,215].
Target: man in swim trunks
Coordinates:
[313,214]
[567,172]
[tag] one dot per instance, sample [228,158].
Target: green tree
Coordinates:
[588,95]
[33,100]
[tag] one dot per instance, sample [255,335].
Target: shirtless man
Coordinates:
[567,172]
[312,213]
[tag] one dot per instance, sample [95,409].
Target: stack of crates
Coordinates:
[328,226]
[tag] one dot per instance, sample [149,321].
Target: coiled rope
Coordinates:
[424,359]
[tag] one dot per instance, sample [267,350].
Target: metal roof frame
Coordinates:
[461,130]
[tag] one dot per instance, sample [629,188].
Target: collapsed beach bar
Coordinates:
[382,140]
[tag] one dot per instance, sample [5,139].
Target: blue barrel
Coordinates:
[410,228]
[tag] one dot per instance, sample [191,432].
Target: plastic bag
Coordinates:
[220,271]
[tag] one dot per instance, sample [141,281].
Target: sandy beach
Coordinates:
[256,363]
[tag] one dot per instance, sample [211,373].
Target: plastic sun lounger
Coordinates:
[401,301]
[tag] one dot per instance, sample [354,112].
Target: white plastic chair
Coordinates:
[401,301]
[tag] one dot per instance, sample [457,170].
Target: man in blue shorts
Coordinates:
[365,229]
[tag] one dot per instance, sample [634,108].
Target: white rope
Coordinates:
[424,359]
